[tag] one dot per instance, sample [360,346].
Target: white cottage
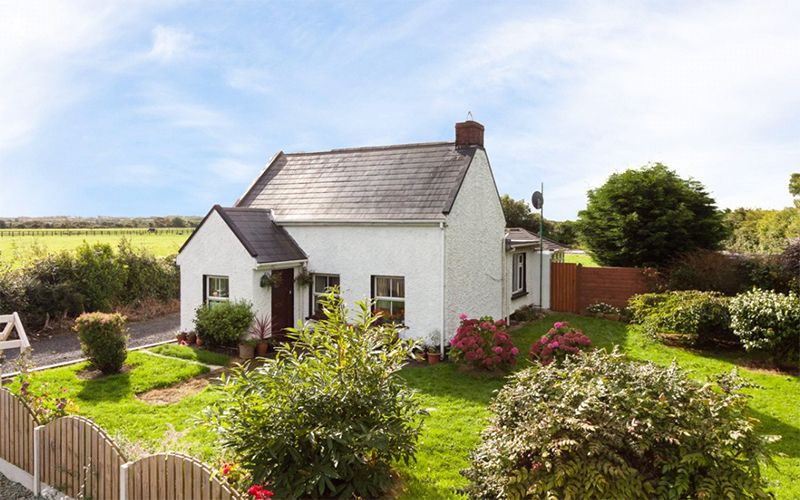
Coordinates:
[418,228]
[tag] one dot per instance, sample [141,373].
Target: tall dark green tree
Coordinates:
[647,217]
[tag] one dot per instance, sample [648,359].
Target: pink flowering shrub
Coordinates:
[483,343]
[560,341]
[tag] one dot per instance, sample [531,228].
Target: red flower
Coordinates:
[258,492]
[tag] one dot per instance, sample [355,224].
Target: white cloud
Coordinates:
[170,43]
[710,90]
[252,79]
[234,171]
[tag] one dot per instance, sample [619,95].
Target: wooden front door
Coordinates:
[282,301]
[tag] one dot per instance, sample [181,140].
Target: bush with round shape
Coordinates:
[328,416]
[768,321]
[695,318]
[483,343]
[601,426]
[223,323]
[558,343]
[104,340]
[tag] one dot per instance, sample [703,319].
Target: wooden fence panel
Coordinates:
[563,287]
[79,459]
[174,476]
[16,431]
[573,287]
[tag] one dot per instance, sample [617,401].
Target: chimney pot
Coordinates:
[469,133]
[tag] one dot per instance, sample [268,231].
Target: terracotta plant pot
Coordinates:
[262,348]
[247,351]
[434,357]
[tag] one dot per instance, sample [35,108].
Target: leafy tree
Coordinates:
[648,216]
[518,214]
[794,188]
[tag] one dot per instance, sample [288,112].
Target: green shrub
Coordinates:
[91,278]
[147,276]
[768,321]
[223,323]
[600,426]
[99,276]
[700,318]
[103,340]
[706,270]
[328,415]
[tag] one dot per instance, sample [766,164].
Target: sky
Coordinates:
[156,108]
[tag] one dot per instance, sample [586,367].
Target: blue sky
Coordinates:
[150,108]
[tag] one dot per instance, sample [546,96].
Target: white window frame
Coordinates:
[518,266]
[209,299]
[390,299]
[316,294]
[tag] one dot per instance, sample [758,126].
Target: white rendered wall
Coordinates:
[532,277]
[215,250]
[475,247]
[357,252]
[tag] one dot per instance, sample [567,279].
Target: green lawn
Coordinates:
[457,404]
[111,401]
[185,352]
[456,401]
[585,260]
[16,249]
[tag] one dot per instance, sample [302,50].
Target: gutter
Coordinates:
[279,265]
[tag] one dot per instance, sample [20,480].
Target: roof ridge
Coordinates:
[374,148]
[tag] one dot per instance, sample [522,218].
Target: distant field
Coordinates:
[580,258]
[17,245]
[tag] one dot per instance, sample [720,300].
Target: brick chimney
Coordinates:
[469,133]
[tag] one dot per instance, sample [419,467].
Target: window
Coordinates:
[518,285]
[320,285]
[389,293]
[217,290]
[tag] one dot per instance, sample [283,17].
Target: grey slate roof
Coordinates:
[259,235]
[404,182]
[517,236]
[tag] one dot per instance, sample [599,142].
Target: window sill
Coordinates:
[519,294]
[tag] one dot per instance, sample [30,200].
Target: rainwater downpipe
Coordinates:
[444,285]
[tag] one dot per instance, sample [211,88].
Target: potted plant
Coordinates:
[419,353]
[433,354]
[191,338]
[181,337]
[304,277]
[261,331]
[247,348]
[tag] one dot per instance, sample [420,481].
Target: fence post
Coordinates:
[37,459]
[123,481]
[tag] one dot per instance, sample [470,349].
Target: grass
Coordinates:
[15,250]
[584,259]
[111,402]
[457,404]
[192,354]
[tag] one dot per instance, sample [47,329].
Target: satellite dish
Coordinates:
[537,200]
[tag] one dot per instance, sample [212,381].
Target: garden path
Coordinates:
[65,347]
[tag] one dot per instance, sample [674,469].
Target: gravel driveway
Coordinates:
[65,346]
